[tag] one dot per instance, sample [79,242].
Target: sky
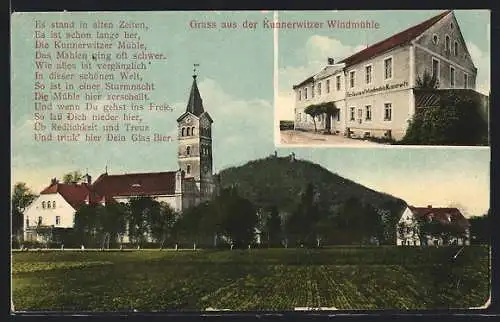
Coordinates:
[235,79]
[303,53]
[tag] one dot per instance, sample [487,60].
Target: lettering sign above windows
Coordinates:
[377,89]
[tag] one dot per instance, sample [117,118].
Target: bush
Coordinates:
[286,125]
[457,121]
[384,140]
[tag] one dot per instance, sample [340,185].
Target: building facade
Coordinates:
[181,189]
[454,228]
[374,88]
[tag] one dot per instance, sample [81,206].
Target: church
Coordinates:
[192,183]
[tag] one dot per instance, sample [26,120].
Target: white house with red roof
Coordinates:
[375,89]
[183,188]
[409,225]
[56,206]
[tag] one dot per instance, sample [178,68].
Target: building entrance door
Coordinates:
[328,124]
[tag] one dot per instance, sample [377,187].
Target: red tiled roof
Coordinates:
[393,41]
[441,214]
[76,194]
[136,184]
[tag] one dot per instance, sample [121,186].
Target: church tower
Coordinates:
[195,145]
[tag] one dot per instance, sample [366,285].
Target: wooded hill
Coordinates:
[280,182]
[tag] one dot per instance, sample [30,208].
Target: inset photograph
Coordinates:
[369,78]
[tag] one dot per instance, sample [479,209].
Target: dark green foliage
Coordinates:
[237,217]
[272,227]
[427,81]
[302,225]
[456,121]
[86,225]
[328,109]
[286,125]
[314,111]
[194,225]
[335,215]
[141,210]
[73,177]
[22,197]
[228,216]
[480,230]
[104,226]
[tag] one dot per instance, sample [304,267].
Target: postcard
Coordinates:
[206,161]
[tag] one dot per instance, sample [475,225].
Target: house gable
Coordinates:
[448,26]
[184,115]
[407,216]
[39,208]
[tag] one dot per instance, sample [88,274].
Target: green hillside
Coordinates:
[279,181]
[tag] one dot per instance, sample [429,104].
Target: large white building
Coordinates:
[181,189]
[375,89]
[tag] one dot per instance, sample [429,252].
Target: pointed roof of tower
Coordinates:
[195,103]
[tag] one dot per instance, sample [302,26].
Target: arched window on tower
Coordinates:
[188,150]
[43,204]
[188,169]
[187,132]
[48,204]
[192,130]
[183,132]
[53,204]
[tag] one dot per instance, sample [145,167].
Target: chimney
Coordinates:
[53,181]
[330,61]
[88,178]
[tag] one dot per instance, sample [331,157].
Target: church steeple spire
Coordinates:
[195,103]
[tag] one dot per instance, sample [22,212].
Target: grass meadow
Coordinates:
[343,278]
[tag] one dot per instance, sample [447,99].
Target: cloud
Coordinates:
[237,124]
[482,62]
[318,48]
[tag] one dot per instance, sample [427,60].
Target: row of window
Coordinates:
[368,113]
[40,221]
[187,131]
[388,67]
[318,89]
[190,131]
[409,243]
[48,204]
[204,150]
[437,73]
[447,43]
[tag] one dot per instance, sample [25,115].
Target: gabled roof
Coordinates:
[441,215]
[195,103]
[136,184]
[76,194]
[398,39]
